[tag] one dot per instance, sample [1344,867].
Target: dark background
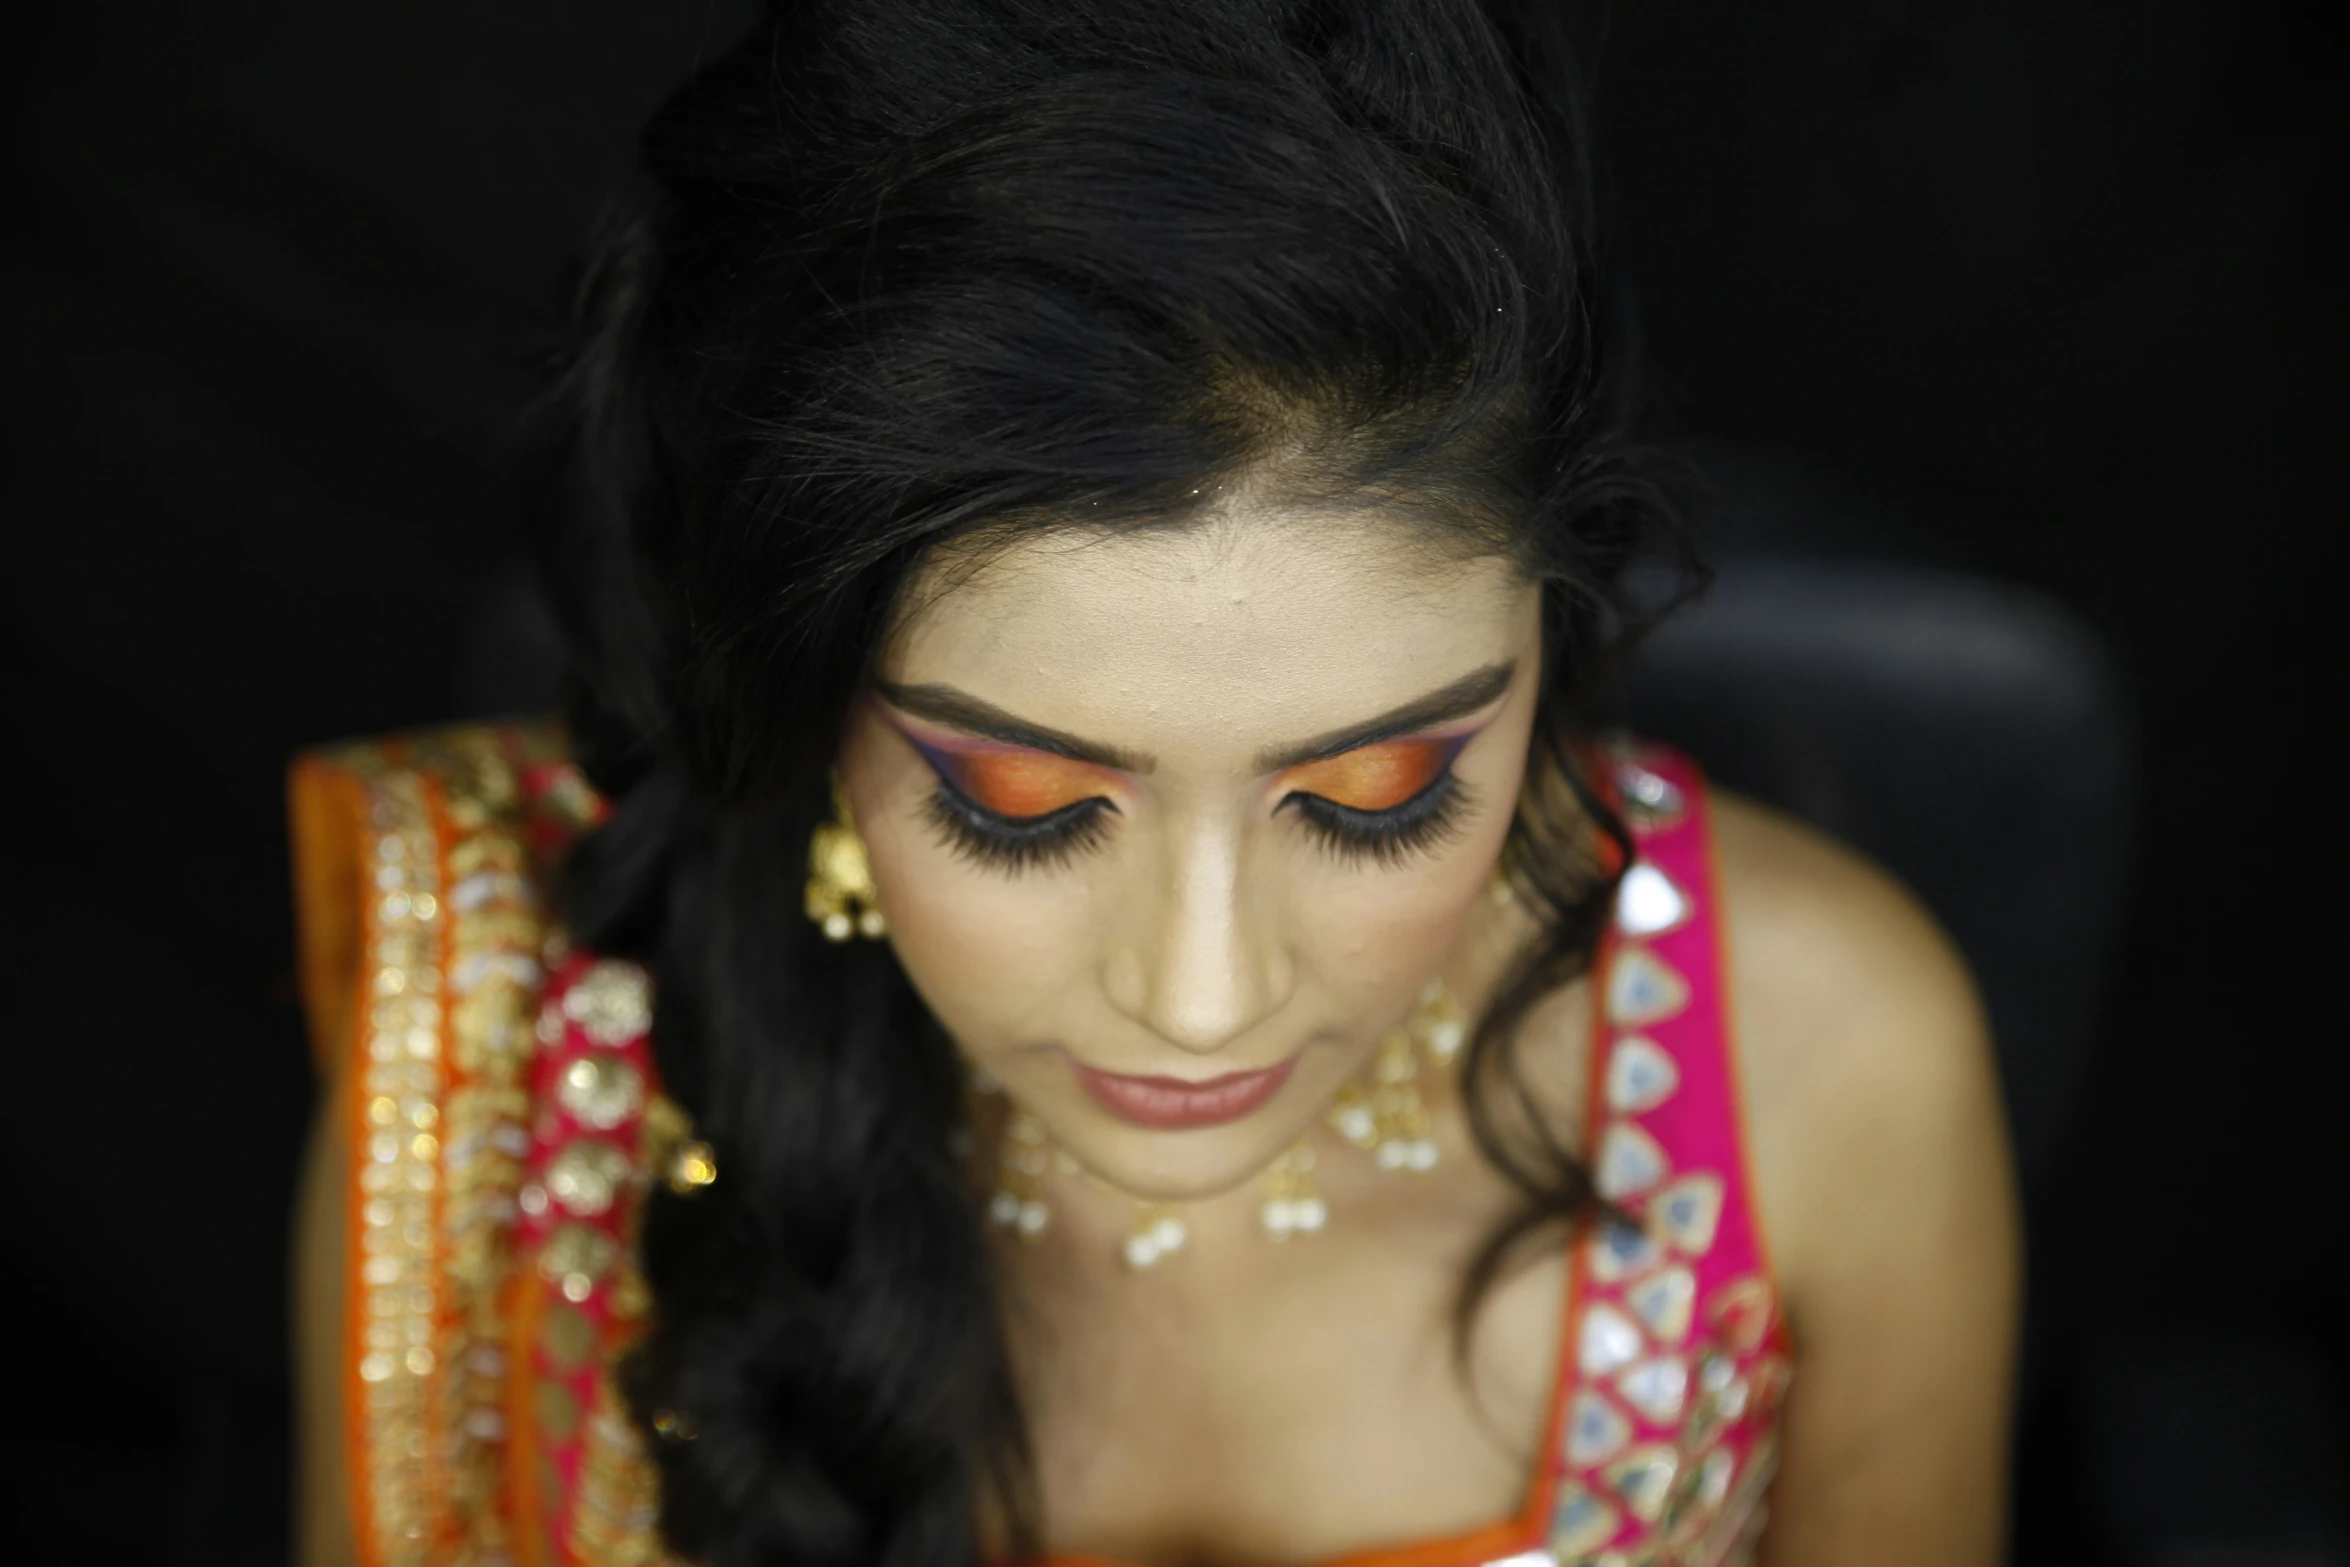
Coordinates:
[2062,279]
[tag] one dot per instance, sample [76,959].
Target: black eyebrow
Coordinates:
[961,710]
[1465,695]
[942,704]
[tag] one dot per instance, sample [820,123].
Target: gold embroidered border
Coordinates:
[396,1159]
[615,1516]
[495,931]
[454,933]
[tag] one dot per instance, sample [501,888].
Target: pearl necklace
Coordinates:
[1381,1113]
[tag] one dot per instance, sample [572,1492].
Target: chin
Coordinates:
[1188,1166]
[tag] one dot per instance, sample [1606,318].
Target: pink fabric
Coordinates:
[1677,1355]
[592,1080]
[1680,1355]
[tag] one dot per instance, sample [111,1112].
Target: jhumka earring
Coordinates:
[1385,1117]
[841,896]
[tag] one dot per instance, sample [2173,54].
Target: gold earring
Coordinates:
[1387,1117]
[1292,1204]
[841,895]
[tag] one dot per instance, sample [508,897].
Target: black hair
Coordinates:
[905,273]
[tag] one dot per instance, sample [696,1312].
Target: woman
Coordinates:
[1072,986]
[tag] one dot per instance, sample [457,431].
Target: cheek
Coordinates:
[1396,924]
[994,957]
[1400,922]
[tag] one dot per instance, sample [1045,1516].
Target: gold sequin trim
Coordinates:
[613,1519]
[454,936]
[495,930]
[398,1173]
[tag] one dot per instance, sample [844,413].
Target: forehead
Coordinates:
[1216,639]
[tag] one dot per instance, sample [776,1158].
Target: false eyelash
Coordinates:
[1012,843]
[1390,837]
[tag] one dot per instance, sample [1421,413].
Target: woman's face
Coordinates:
[1171,826]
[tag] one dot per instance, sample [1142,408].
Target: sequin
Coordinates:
[1657,1388]
[1596,1429]
[1644,1478]
[1727,1402]
[576,1257]
[1629,1161]
[484,888]
[1642,988]
[1664,1301]
[1647,902]
[1620,1250]
[1608,1339]
[1741,1313]
[1713,1479]
[601,1091]
[482,967]
[612,1002]
[586,1176]
[1524,1559]
[1689,1211]
[1580,1522]
[1640,1076]
[558,1410]
[1649,798]
[568,1337]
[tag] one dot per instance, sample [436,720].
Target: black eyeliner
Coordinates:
[1392,836]
[1015,844]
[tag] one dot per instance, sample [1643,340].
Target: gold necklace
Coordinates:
[1381,1113]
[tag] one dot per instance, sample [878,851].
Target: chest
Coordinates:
[1316,1415]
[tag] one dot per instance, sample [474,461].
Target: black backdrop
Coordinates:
[2060,275]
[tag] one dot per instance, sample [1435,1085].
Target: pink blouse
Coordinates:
[504,1120]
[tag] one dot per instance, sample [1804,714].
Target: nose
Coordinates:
[1204,962]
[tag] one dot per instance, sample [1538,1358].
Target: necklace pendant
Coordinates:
[1157,1233]
[1381,1113]
[1292,1205]
[1018,1201]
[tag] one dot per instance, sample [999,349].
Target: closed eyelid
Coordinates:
[1376,777]
[1012,781]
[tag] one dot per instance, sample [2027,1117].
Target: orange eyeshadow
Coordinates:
[1021,783]
[1373,777]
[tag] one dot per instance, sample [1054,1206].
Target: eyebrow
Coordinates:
[961,710]
[1465,695]
[957,709]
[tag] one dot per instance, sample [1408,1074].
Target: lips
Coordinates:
[1171,1103]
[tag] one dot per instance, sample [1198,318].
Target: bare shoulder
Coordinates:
[1881,1166]
[1863,1047]
[1823,940]
[1857,1023]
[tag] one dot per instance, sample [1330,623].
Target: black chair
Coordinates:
[1970,737]
[1977,740]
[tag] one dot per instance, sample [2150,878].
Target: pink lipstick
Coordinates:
[1171,1104]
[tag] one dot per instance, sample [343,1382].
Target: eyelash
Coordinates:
[1385,838]
[1390,837]
[1013,843]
